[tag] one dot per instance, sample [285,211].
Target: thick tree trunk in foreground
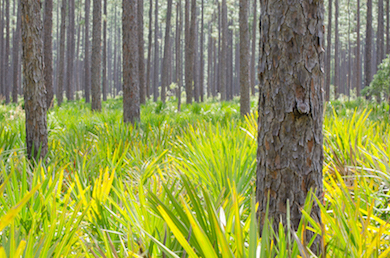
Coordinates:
[244,59]
[7,54]
[131,103]
[48,54]
[201,69]
[61,66]
[87,68]
[34,82]
[16,56]
[96,55]
[165,65]
[290,140]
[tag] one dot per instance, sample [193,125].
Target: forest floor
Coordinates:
[181,182]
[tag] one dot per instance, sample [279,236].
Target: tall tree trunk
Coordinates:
[70,53]
[190,49]
[368,45]
[34,82]
[244,59]
[2,75]
[48,54]
[328,51]
[16,56]
[87,68]
[179,75]
[156,54]
[165,65]
[201,77]
[290,140]
[96,55]
[336,53]
[7,54]
[141,51]
[223,51]
[104,71]
[387,28]
[209,60]
[253,56]
[380,39]
[131,102]
[357,67]
[196,64]
[149,61]
[61,68]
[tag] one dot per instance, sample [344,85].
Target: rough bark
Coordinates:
[156,54]
[165,65]
[253,56]
[224,47]
[16,56]
[96,55]
[196,64]
[201,76]
[290,140]
[131,101]
[368,46]
[380,32]
[244,59]
[209,61]
[149,61]
[336,52]
[328,51]
[7,54]
[387,28]
[87,68]
[179,75]
[190,48]
[357,67]
[61,67]
[104,71]
[34,82]
[70,52]
[141,51]
[48,54]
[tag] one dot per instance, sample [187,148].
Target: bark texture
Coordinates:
[96,55]
[166,65]
[87,68]
[7,54]
[149,61]
[368,51]
[328,51]
[61,65]
[253,56]
[336,82]
[380,46]
[244,59]
[70,53]
[16,56]
[179,75]
[48,54]
[142,88]
[34,82]
[358,68]
[104,71]
[156,54]
[223,54]
[290,140]
[131,102]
